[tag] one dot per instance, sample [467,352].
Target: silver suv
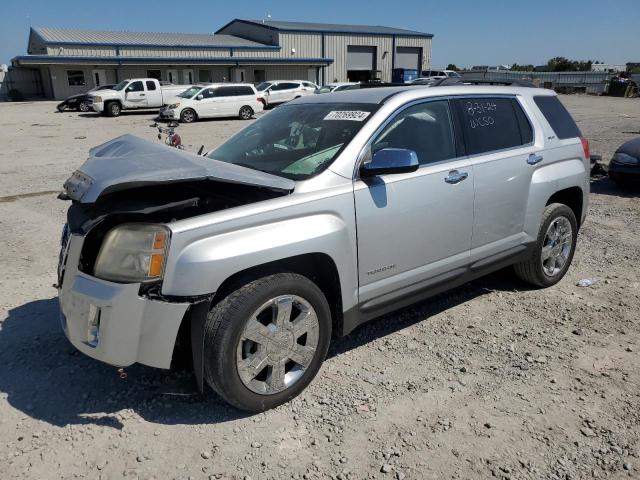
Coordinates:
[319,216]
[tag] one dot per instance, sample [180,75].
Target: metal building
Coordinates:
[71,61]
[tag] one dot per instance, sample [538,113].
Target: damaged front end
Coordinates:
[137,188]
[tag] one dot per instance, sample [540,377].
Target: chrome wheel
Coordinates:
[246,113]
[278,344]
[84,106]
[557,245]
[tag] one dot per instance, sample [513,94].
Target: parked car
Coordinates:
[81,102]
[276,92]
[134,94]
[335,87]
[317,217]
[214,100]
[624,167]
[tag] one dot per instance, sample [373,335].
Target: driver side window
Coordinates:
[135,87]
[425,128]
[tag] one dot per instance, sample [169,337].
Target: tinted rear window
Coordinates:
[490,124]
[558,117]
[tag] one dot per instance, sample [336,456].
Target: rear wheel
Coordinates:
[113,109]
[188,116]
[554,248]
[246,112]
[266,341]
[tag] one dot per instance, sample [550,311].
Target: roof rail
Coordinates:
[447,82]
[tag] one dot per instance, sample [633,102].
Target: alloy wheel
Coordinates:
[278,344]
[557,245]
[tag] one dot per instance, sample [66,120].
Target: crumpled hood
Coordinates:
[128,162]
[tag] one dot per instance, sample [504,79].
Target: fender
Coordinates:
[549,179]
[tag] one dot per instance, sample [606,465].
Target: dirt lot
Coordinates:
[492,379]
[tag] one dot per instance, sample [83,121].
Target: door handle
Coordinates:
[534,158]
[455,176]
[142,94]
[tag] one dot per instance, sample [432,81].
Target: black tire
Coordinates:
[531,270]
[188,115]
[245,113]
[84,106]
[224,327]
[112,109]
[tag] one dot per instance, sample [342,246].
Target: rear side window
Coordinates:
[490,124]
[558,117]
[244,91]
[151,85]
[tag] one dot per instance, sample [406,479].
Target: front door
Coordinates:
[414,229]
[99,77]
[187,76]
[208,105]
[135,95]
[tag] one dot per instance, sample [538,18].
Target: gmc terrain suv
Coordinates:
[322,214]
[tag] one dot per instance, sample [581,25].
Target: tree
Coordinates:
[521,68]
[562,64]
[452,66]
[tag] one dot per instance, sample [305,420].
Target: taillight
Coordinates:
[261,100]
[585,147]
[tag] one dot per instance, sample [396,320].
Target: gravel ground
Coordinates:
[490,380]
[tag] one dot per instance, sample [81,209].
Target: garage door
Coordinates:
[408,57]
[361,57]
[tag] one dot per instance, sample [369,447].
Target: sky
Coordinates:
[467,33]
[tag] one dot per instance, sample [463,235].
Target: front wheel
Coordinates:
[188,116]
[113,109]
[266,341]
[246,112]
[84,106]
[554,248]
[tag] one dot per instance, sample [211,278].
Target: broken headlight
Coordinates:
[133,252]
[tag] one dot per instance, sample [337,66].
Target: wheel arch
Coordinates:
[572,197]
[319,267]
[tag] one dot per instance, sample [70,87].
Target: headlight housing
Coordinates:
[133,252]
[625,159]
[173,106]
[97,99]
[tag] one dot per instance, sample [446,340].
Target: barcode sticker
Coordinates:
[353,115]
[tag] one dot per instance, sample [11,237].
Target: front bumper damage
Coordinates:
[110,321]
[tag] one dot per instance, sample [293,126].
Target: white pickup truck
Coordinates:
[134,93]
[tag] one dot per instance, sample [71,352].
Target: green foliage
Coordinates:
[452,66]
[521,68]
[562,64]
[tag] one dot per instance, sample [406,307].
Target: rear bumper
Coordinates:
[111,322]
[169,114]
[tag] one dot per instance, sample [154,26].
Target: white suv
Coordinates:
[275,92]
[214,100]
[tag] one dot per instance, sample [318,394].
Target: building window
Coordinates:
[157,74]
[76,78]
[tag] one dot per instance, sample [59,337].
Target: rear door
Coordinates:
[135,96]
[498,139]
[413,228]
[154,94]
[227,99]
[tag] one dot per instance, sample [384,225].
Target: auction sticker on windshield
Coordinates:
[354,115]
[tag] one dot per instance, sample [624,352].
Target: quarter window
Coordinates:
[75,78]
[244,91]
[424,128]
[490,124]
[560,120]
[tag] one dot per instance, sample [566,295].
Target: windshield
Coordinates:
[121,85]
[326,89]
[189,92]
[263,86]
[295,141]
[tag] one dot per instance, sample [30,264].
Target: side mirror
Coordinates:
[390,160]
[199,97]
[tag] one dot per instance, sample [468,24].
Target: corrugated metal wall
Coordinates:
[336,48]
[424,43]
